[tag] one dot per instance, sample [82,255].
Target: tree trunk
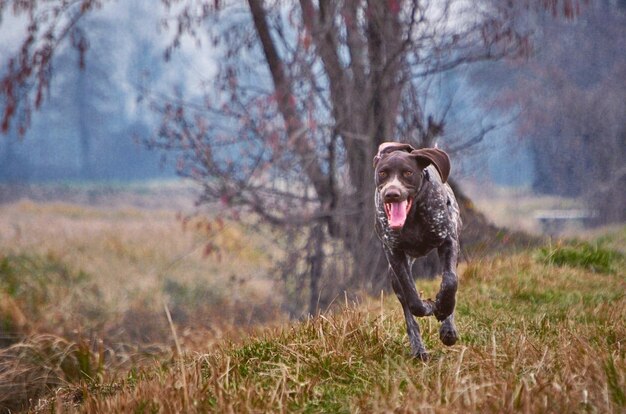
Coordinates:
[316,266]
[85,171]
[365,98]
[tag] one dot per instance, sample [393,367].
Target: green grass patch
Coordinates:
[590,256]
[41,293]
[31,277]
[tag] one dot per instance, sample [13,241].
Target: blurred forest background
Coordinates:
[552,120]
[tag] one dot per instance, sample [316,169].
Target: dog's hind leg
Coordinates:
[412,328]
[400,274]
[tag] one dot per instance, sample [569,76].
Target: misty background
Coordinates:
[94,123]
[552,124]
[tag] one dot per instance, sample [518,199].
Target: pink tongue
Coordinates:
[397,214]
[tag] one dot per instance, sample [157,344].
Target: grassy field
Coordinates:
[111,263]
[121,310]
[77,279]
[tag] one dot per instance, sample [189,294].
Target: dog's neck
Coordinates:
[425,178]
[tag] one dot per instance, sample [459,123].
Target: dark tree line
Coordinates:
[571,99]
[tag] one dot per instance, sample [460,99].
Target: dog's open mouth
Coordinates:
[397,212]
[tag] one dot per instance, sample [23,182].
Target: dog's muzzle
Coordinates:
[397,206]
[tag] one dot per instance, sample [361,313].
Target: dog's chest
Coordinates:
[433,216]
[428,225]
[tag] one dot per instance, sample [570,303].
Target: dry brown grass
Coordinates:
[534,338]
[71,271]
[132,261]
[42,364]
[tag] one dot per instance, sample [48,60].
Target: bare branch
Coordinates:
[476,139]
[285,101]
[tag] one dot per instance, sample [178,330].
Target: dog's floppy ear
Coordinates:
[436,157]
[387,147]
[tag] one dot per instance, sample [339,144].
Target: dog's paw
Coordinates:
[448,333]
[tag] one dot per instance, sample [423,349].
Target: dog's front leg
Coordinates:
[401,273]
[412,328]
[446,297]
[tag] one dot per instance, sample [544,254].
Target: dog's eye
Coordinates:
[407,173]
[382,174]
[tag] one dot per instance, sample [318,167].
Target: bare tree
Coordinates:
[305,93]
[346,76]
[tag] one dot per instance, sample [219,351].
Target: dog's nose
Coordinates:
[392,195]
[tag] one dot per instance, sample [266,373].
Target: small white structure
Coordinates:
[553,222]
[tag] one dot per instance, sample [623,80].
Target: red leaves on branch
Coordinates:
[306,40]
[27,79]
[568,8]
[394,6]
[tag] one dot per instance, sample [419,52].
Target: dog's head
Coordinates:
[398,168]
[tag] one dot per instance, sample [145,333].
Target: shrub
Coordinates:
[42,293]
[31,369]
